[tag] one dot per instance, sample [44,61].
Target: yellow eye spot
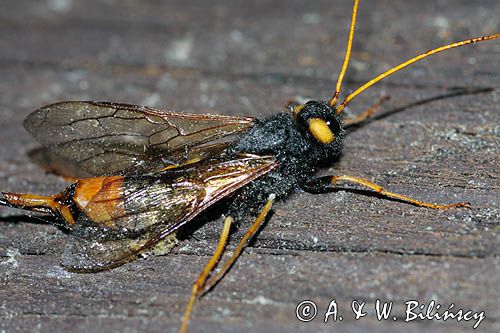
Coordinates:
[320,130]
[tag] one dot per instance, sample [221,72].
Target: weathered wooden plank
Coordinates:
[250,58]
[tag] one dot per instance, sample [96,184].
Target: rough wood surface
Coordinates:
[437,139]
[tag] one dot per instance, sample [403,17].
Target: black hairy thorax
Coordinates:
[297,152]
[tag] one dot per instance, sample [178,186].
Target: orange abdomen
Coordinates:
[101,199]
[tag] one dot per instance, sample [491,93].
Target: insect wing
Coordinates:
[156,206]
[58,165]
[101,138]
[86,256]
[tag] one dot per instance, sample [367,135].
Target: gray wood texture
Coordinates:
[436,140]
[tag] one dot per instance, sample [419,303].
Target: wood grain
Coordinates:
[436,140]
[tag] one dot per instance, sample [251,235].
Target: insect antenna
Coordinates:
[340,78]
[394,69]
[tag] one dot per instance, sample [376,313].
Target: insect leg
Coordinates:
[241,245]
[323,184]
[198,285]
[366,114]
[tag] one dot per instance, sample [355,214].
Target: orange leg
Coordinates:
[241,245]
[366,114]
[323,183]
[206,271]
[202,285]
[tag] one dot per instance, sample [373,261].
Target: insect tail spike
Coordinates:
[394,69]
[340,78]
[27,202]
[38,203]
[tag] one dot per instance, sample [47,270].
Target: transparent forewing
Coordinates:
[153,207]
[58,165]
[107,138]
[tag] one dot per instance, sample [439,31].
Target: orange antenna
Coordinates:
[336,94]
[370,83]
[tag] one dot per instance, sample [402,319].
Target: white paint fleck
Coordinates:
[59,273]
[359,65]
[441,22]
[225,312]
[166,82]
[311,18]
[60,6]
[340,196]
[151,100]
[179,50]
[260,300]
[11,258]
[236,36]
